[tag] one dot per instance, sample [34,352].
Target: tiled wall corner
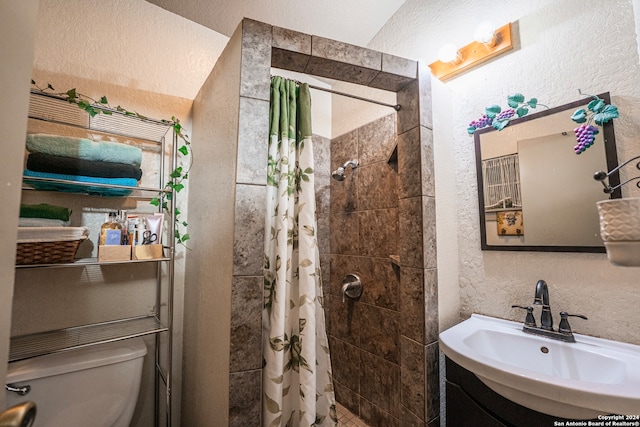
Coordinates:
[410,232]
[256,59]
[396,73]
[291,49]
[432,383]
[412,307]
[252,141]
[429,232]
[426,162]
[246,324]
[413,377]
[425,94]
[409,114]
[431,320]
[334,59]
[245,390]
[248,246]
[409,164]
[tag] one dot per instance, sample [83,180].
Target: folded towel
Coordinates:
[42,222]
[42,162]
[83,148]
[51,234]
[79,188]
[45,210]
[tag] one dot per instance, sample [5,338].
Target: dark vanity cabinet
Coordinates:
[471,403]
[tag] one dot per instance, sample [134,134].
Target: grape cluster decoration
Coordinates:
[498,118]
[585,135]
[597,112]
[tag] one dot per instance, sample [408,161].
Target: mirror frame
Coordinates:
[611,159]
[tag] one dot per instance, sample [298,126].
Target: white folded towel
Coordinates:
[51,234]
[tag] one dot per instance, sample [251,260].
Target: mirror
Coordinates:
[535,193]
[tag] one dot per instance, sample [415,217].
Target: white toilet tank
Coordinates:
[95,386]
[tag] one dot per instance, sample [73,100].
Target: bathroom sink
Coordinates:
[580,380]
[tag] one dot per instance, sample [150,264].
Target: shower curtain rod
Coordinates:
[348,95]
[396,107]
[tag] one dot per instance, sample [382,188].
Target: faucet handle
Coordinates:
[564,326]
[529,320]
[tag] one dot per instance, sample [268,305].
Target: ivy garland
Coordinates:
[176,177]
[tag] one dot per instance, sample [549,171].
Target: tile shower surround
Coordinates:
[390,334]
[378,363]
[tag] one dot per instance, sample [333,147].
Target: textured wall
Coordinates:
[561,47]
[133,44]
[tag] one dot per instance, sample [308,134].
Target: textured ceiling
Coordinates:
[351,21]
[135,43]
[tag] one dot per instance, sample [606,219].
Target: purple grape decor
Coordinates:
[598,112]
[498,118]
[585,135]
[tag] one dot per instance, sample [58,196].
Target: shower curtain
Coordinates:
[297,381]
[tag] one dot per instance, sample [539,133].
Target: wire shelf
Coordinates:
[32,345]
[83,262]
[90,184]
[53,108]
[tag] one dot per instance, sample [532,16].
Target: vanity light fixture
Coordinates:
[449,53]
[488,44]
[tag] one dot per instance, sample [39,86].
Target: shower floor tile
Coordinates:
[347,419]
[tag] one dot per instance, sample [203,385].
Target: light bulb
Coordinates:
[449,53]
[485,33]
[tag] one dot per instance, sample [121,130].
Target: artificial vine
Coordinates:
[176,177]
[497,118]
[598,112]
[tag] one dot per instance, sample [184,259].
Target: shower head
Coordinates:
[338,174]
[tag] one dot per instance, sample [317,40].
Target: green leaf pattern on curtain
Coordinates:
[297,380]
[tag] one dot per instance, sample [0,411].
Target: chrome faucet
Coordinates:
[545,329]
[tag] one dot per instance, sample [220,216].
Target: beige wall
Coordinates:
[210,262]
[561,47]
[17,27]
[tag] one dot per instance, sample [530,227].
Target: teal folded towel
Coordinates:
[45,210]
[80,188]
[83,148]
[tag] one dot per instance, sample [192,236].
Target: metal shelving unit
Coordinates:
[55,109]
[27,346]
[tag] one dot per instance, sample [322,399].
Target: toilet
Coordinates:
[93,386]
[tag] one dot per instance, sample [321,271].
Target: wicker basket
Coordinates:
[47,252]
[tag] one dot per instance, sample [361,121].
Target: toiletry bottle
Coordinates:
[110,224]
[140,229]
[122,219]
[132,223]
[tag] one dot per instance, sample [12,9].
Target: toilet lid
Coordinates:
[75,360]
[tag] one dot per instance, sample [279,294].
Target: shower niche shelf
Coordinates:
[55,115]
[392,160]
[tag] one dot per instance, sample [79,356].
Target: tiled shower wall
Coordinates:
[230,287]
[365,333]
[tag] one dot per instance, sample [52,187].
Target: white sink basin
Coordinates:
[580,380]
